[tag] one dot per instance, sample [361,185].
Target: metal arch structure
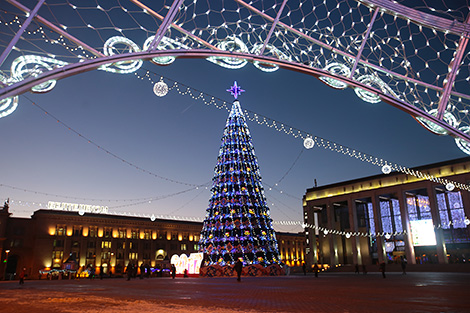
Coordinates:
[354,66]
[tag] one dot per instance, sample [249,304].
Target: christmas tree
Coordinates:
[238,223]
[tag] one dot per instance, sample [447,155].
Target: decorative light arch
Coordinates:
[366,45]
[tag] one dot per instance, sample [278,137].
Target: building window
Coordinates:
[183,246]
[93,231]
[133,256]
[58,243]
[60,230]
[106,244]
[105,255]
[161,234]
[418,208]
[91,244]
[365,216]
[146,245]
[196,247]
[174,236]
[122,233]
[121,245]
[77,231]
[391,217]
[108,232]
[57,255]
[15,243]
[147,235]
[134,234]
[133,245]
[452,217]
[196,237]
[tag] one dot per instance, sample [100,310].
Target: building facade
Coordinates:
[291,248]
[390,217]
[50,238]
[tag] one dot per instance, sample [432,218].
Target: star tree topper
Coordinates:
[235,90]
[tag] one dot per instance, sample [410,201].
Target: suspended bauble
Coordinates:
[309,143]
[160,89]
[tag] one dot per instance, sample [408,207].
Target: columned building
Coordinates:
[50,239]
[390,217]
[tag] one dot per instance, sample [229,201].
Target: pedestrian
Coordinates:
[356,268]
[22,275]
[238,268]
[101,271]
[185,273]
[142,270]
[316,269]
[403,265]
[173,271]
[304,268]
[382,269]
[129,271]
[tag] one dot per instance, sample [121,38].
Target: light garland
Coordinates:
[297,133]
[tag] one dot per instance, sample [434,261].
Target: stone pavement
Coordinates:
[330,292]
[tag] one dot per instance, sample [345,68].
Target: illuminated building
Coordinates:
[391,217]
[47,239]
[291,248]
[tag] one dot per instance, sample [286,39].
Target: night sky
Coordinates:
[177,138]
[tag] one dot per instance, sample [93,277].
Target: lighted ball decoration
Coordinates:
[160,89]
[450,186]
[386,169]
[309,143]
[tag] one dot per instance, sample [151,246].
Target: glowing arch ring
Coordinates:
[109,50]
[368,96]
[20,72]
[449,118]
[8,106]
[230,44]
[464,145]
[164,44]
[266,67]
[337,69]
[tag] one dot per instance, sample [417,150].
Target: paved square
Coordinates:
[330,292]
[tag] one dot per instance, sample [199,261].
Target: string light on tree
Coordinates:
[238,222]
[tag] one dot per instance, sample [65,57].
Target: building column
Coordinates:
[311,256]
[378,228]
[355,244]
[331,237]
[405,220]
[440,243]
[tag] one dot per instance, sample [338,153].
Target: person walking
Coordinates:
[356,268]
[238,268]
[22,276]
[316,269]
[382,269]
[173,271]
[101,271]
[403,265]
[304,268]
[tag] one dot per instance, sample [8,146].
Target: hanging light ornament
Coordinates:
[153,218]
[160,88]
[450,186]
[386,169]
[309,143]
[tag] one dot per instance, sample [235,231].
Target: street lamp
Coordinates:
[6,263]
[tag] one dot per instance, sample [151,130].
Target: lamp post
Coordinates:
[6,263]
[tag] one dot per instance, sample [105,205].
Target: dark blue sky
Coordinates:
[179,138]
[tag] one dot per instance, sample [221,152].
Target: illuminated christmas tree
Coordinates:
[238,222]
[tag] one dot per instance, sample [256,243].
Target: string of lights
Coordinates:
[309,140]
[325,231]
